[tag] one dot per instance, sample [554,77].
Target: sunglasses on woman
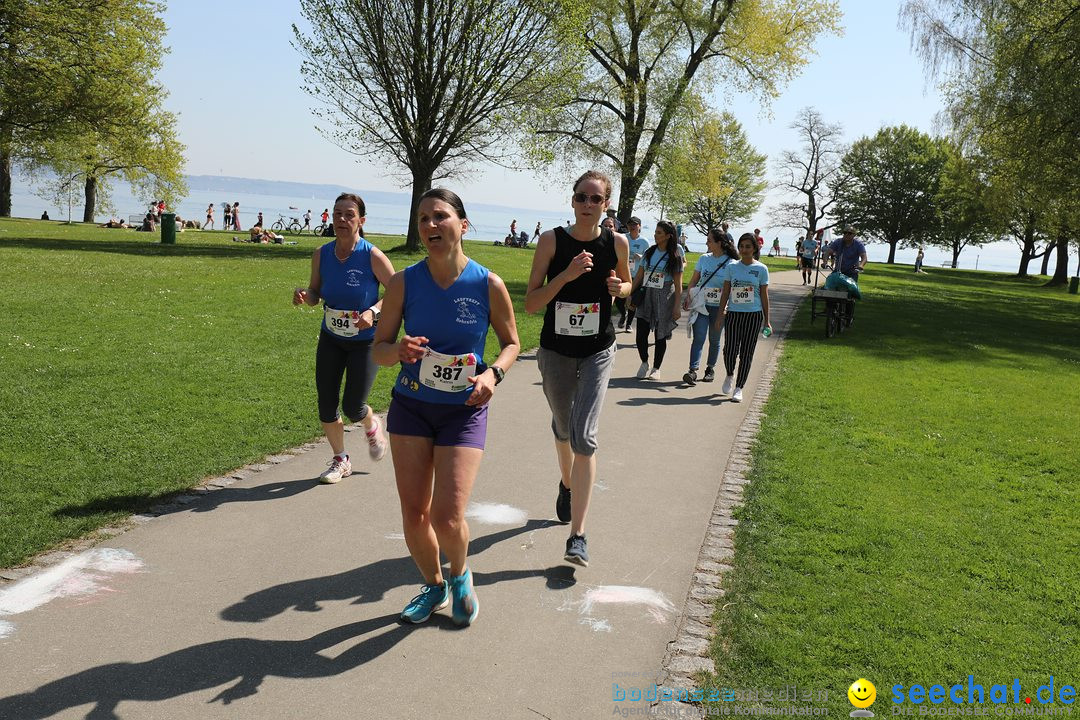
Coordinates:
[594,199]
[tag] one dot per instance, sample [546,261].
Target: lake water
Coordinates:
[389,214]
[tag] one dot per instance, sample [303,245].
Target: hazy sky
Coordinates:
[234,79]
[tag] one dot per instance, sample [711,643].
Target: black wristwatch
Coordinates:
[498,372]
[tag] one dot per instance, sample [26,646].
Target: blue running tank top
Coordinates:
[349,285]
[455,321]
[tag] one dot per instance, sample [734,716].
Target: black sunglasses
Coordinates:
[582,197]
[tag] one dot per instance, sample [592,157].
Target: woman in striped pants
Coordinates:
[744,304]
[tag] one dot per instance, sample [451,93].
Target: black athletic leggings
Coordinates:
[352,358]
[740,338]
[643,330]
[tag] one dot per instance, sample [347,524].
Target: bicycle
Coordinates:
[293,226]
[321,228]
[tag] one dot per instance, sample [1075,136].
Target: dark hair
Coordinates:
[358,202]
[749,237]
[674,250]
[719,236]
[449,197]
[599,177]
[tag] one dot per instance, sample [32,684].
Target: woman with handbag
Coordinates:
[703,303]
[657,295]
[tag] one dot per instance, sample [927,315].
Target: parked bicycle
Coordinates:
[293,226]
[323,230]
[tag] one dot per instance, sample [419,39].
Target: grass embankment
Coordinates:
[912,513]
[131,370]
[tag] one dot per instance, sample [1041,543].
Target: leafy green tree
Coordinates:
[1009,72]
[430,86]
[962,205]
[892,180]
[68,67]
[647,59]
[710,172]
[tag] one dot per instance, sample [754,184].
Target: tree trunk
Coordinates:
[957,248]
[1026,252]
[892,251]
[5,179]
[421,184]
[91,200]
[628,191]
[1046,257]
[1061,272]
[811,213]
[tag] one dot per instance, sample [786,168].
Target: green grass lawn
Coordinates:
[912,515]
[130,370]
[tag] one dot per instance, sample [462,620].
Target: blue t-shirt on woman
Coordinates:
[455,321]
[746,281]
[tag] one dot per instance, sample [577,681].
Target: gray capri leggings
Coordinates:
[575,389]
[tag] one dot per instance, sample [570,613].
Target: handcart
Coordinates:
[836,306]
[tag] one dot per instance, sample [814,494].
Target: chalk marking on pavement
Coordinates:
[394,536]
[496,513]
[597,624]
[79,576]
[655,603]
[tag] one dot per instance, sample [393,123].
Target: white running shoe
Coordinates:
[737,395]
[729,382]
[376,439]
[339,468]
[643,371]
[653,374]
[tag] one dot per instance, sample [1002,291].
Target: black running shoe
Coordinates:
[710,375]
[690,378]
[562,504]
[577,551]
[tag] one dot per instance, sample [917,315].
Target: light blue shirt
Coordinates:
[745,277]
[638,246]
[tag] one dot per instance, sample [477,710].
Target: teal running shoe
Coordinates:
[430,599]
[466,606]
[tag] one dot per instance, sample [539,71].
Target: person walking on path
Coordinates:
[575,273]
[744,304]
[638,246]
[760,243]
[345,275]
[775,252]
[209,217]
[608,223]
[438,411]
[808,249]
[660,274]
[536,232]
[702,300]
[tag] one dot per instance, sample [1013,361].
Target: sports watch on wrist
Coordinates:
[498,372]
[375,313]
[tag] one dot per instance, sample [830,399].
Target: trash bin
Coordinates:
[1074,284]
[168,228]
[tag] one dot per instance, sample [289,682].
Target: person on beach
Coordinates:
[702,301]
[575,272]
[209,217]
[660,274]
[638,246]
[345,275]
[744,304]
[439,404]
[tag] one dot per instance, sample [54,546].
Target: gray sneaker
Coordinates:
[577,551]
[339,468]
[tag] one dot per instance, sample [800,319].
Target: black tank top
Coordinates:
[590,287]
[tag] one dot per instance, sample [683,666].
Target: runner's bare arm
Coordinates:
[386,350]
[310,294]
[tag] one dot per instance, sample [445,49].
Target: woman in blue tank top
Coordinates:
[576,272]
[346,275]
[438,411]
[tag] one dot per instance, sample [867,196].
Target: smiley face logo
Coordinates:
[862,693]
